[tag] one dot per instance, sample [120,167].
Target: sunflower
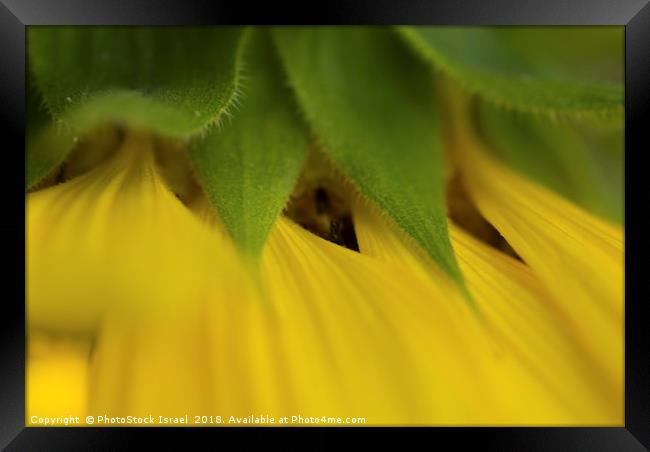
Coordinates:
[392,226]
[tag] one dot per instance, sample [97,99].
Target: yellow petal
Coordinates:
[333,333]
[359,340]
[524,318]
[57,378]
[578,257]
[180,355]
[536,371]
[107,236]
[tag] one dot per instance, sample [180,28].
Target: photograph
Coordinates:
[324,226]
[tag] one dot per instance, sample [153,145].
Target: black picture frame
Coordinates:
[15,15]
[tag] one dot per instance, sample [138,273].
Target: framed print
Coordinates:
[403,217]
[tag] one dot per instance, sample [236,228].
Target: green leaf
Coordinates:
[580,159]
[544,71]
[175,81]
[372,107]
[249,168]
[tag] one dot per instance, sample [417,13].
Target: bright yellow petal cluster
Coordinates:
[182,325]
[577,257]
[538,370]
[115,235]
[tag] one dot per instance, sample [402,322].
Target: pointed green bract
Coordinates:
[580,159]
[249,167]
[40,160]
[498,64]
[585,54]
[372,108]
[175,81]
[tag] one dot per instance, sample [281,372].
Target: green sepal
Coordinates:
[248,168]
[372,108]
[175,81]
[581,159]
[486,61]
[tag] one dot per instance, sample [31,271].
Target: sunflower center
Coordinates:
[321,205]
